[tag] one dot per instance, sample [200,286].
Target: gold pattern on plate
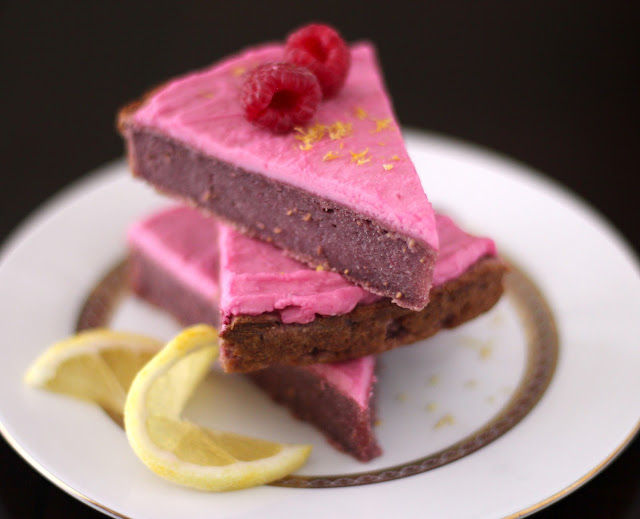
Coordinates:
[542,344]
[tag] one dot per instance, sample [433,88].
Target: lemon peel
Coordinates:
[186,453]
[96,365]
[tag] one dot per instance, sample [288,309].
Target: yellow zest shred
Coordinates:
[331,156]
[361,157]
[339,130]
[382,124]
[360,113]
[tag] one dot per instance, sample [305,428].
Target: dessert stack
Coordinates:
[306,235]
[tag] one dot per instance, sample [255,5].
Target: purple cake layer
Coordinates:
[314,230]
[151,282]
[309,397]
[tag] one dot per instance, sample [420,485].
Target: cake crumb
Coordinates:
[345,272]
[486,351]
[377,423]
[206,94]
[382,143]
[431,407]
[471,383]
[387,167]
[319,268]
[491,399]
[434,380]
[395,157]
[401,397]
[238,71]
[277,230]
[268,239]
[398,295]
[497,319]
[319,250]
[205,196]
[289,212]
[260,226]
[412,243]
[385,283]
[422,260]
[484,348]
[307,217]
[445,420]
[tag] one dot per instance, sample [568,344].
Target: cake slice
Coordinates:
[276,311]
[337,398]
[340,193]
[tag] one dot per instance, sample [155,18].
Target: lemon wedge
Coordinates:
[96,365]
[186,453]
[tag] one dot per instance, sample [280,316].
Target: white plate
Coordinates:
[588,414]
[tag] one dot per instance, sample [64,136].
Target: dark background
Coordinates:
[552,84]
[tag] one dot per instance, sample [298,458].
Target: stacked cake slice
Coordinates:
[200,270]
[275,310]
[312,250]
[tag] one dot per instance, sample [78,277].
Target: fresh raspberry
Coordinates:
[279,96]
[322,50]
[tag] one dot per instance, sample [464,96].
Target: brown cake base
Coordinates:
[347,426]
[254,342]
[313,230]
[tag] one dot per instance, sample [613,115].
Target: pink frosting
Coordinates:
[203,111]
[352,377]
[256,277]
[458,250]
[183,243]
[253,277]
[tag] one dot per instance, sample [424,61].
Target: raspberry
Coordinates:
[279,96]
[323,51]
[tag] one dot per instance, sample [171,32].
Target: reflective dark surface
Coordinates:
[551,84]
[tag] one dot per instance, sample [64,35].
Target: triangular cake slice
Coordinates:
[337,398]
[276,311]
[340,193]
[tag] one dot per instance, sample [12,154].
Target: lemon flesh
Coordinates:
[186,453]
[96,365]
